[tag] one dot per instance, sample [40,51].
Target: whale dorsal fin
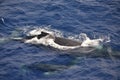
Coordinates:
[43,34]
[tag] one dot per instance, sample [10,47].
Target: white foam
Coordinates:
[92,43]
[3,20]
[87,42]
[38,31]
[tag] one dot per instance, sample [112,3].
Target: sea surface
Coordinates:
[69,18]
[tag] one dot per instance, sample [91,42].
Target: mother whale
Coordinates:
[48,38]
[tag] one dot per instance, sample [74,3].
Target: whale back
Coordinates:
[66,42]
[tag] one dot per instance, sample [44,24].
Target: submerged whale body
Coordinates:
[48,67]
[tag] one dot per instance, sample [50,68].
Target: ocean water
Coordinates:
[68,18]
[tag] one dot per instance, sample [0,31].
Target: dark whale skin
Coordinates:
[66,42]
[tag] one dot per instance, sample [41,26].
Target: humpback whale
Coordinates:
[48,38]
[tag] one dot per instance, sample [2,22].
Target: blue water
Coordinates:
[93,17]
